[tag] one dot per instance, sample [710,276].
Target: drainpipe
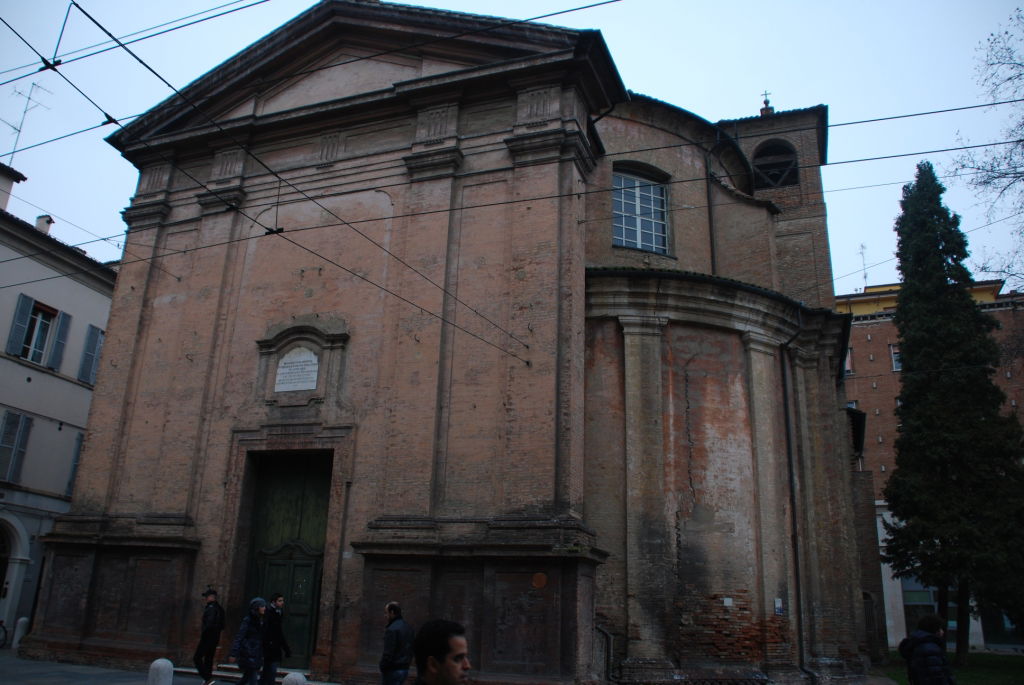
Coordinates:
[711,212]
[791,465]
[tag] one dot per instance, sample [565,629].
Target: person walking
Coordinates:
[274,644]
[209,636]
[925,653]
[398,638]
[247,647]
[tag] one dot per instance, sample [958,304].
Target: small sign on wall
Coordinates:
[297,370]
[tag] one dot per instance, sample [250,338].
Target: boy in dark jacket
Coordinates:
[925,653]
[274,644]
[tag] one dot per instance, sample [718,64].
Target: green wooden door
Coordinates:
[289,525]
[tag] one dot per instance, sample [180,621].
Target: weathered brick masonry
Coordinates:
[443,383]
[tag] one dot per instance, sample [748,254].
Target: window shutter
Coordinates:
[57,350]
[74,463]
[90,355]
[13,441]
[19,327]
[8,436]
[20,446]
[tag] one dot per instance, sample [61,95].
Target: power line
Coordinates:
[71,223]
[224,243]
[60,59]
[893,259]
[118,43]
[799,129]
[500,203]
[259,161]
[922,114]
[403,299]
[229,203]
[501,23]
[701,178]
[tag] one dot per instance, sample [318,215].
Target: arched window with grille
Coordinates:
[775,165]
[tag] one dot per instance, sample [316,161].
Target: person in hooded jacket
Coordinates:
[247,647]
[925,653]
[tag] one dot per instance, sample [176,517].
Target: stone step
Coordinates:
[230,673]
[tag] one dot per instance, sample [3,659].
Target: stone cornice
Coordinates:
[551,145]
[221,200]
[146,214]
[430,164]
[758,314]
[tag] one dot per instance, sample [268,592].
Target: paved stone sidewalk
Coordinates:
[15,671]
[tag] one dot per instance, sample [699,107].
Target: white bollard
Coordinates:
[294,679]
[161,672]
[20,628]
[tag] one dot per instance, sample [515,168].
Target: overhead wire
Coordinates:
[231,241]
[68,135]
[81,228]
[602,190]
[343,222]
[798,129]
[245,148]
[500,24]
[230,204]
[497,23]
[60,59]
[414,214]
[405,215]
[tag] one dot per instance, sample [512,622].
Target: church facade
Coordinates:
[436,311]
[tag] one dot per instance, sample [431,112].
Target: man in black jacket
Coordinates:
[398,637]
[209,636]
[274,643]
[925,652]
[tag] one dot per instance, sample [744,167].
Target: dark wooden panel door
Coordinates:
[289,526]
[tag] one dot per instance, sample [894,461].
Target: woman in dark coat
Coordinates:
[247,648]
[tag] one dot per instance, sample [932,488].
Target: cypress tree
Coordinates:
[957,457]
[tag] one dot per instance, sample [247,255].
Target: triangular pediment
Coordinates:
[344,49]
[344,71]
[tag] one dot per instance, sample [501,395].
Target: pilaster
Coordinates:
[647,562]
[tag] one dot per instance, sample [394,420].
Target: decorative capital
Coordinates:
[146,214]
[551,145]
[430,164]
[221,200]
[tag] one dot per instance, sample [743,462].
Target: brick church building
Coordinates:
[437,311]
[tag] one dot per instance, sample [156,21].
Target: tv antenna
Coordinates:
[864,266]
[30,104]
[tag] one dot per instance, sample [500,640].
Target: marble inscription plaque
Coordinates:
[297,370]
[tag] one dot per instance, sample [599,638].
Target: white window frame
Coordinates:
[38,333]
[639,213]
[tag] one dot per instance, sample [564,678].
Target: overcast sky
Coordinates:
[864,60]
